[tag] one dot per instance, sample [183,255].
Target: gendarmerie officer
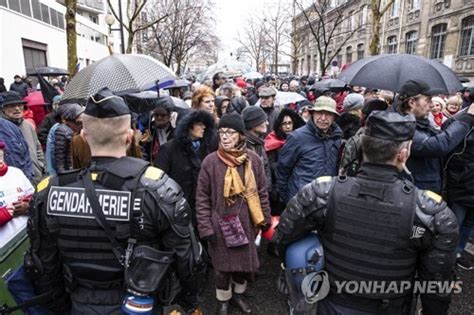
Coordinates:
[377,227]
[72,254]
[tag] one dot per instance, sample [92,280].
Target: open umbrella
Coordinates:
[47,71]
[178,84]
[119,73]
[334,85]
[228,66]
[146,101]
[389,72]
[284,98]
[253,75]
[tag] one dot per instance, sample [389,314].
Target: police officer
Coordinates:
[141,244]
[376,228]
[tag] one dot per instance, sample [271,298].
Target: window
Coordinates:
[438,38]
[54,17]
[410,42]
[467,37]
[60,20]
[349,20]
[3,3]
[34,54]
[414,5]
[392,44]
[360,51]
[35,5]
[45,13]
[14,5]
[25,7]
[349,54]
[395,8]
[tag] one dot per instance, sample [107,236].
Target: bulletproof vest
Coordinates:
[85,250]
[367,236]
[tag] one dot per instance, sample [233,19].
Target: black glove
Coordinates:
[209,238]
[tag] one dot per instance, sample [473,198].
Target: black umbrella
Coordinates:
[47,71]
[117,72]
[389,72]
[334,85]
[146,101]
[177,84]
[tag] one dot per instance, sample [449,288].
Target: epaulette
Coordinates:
[43,184]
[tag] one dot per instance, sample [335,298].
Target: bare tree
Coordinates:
[378,11]
[186,31]
[329,27]
[134,23]
[254,41]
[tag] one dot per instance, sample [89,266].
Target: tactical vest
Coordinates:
[86,252]
[367,238]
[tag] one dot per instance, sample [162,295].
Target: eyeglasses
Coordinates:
[287,123]
[227,133]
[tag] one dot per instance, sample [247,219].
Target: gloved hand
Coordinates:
[210,238]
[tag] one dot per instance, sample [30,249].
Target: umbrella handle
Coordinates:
[157,88]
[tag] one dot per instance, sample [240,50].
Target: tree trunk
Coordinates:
[131,35]
[71,37]
[375,40]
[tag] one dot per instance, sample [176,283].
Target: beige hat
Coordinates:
[324,103]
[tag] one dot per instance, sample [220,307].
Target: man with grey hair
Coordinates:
[267,103]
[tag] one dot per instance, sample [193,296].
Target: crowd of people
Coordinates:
[240,155]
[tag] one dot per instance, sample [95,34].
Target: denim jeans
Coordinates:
[465,218]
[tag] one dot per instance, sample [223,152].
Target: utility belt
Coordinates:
[389,306]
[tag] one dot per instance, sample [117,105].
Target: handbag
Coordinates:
[232,229]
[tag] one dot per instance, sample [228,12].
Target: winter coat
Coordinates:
[16,153]
[178,159]
[460,168]
[307,154]
[430,146]
[148,146]
[35,149]
[45,126]
[62,156]
[210,204]
[272,115]
[256,144]
[49,151]
[352,154]
[273,145]
[21,88]
[349,123]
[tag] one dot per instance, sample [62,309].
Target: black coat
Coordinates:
[21,88]
[178,159]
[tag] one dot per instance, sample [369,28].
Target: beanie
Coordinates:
[253,116]
[234,121]
[353,101]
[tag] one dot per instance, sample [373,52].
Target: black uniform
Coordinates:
[71,254]
[376,227]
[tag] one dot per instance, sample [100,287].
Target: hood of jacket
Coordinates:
[187,122]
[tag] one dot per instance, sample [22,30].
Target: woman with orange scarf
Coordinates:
[231,207]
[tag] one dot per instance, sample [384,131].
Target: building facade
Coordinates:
[33,34]
[438,29]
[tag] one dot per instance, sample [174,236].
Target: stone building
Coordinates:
[437,29]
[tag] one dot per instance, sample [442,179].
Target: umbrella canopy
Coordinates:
[334,85]
[117,72]
[146,101]
[389,72]
[284,98]
[253,75]
[47,71]
[178,84]
[230,67]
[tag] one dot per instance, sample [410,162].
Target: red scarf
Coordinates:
[3,169]
[438,118]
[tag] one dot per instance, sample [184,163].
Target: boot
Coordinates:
[240,301]
[222,308]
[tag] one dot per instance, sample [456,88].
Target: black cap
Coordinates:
[417,87]
[105,104]
[373,104]
[253,116]
[234,121]
[388,125]
[11,98]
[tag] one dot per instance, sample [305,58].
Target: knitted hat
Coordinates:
[439,100]
[241,84]
[253,116]
[233,121]
[353,101]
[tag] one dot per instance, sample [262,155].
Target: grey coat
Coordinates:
[210,204]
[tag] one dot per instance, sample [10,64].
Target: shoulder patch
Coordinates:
[43,184]
[432,195]
[323,179]
[153,173]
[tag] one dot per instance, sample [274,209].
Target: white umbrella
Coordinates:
[284,98]
[253,75]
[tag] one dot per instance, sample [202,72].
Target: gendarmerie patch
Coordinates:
[72,202]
